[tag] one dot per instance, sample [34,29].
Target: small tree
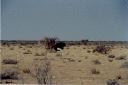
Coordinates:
[50,42]
[84,42]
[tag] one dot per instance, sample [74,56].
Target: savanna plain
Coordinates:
[75,65]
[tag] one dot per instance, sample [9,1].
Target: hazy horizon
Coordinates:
[95,20]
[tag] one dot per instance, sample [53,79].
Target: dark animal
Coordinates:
[59,46]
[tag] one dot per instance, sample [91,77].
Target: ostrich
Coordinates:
[59,46]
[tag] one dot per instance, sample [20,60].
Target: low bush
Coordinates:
[111,56]
[102,49]
[110,60]
[43,73]
[97,62]
[27,52]
[26,70]
[112,82]
[9,74]
[121,58]
[9,61]
[95,71]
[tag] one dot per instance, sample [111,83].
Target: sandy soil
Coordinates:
[73,67]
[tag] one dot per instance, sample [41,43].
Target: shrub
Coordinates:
[43,73]
[96,62]
[111,56]
[84,42]
[9,74]
[95,71]
[121,58]
[28,52]
[79,60]
[41,54]
[102,49]
[118,77]
[37,54]
[11,48]
[84,47]
[70,60]
[88,51]
[50,42]
[8,82]
[110,60]
[112,82]
[9,61]
[20,46]
[26,70]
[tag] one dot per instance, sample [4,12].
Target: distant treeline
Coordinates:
[33,42]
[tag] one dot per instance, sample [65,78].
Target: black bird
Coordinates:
[59,46]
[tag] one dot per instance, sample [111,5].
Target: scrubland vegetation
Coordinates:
[80,63]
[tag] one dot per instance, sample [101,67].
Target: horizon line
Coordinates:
[74,40]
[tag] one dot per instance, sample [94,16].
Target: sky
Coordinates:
[65,19]
[0,20]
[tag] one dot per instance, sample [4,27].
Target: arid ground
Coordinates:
[78,65]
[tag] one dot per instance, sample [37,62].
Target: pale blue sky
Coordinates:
[0,20]
[66,19]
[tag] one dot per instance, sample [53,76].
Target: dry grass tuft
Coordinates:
[112,82]
[110,60]
[27,52]
[79,60]
[88,51]
[97,62]
[86,57]
[58,54]
[121,58]
[84,47]
[111,56]
[102,49]
[26,70]
[11,48]
[39,54]
[118,77]
[43,73]
[70,60]
[9,74]
[20,46]
[9,61]
[95,71]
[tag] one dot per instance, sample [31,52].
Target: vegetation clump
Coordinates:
[111,56]
[97,62]
[43,73]
[95,71]
[9,61]
[121,58]
[112,82]
[50,42]
[9,74]
[28,52]
[102,49]
[84,42]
